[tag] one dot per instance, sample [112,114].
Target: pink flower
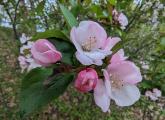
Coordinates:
[91,42]
[121,18]
[121,77]
[45,53]
[86,80]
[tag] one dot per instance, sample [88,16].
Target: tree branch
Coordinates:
[13,20]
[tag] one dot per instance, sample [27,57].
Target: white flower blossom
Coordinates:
[26,60]
[154,94]
[24,38]
[32,64]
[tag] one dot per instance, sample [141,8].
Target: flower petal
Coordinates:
[48,57]
[95,28]
[100,96]
[107,82]
[42,45]
[89,29]
[95,54]
[110,43]
[119,56]
[98,62]
[73,39]
[126,71]
[51,56]
[126,95]
[123,20]
[83,58]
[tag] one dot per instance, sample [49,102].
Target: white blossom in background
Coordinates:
[24,48]
[157,10]
[1,8]
[154,94]
[157,92]
[137,2]
[5,1]
[155,16]
[144,65]
[146,6]
[24,38]
[32,64]
[22,62]
[25,59]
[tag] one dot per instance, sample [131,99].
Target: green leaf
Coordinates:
[73,2]
[36,94]
[70,19]
[112,2]
[42,73]
[97,9]
[76,10]
[66,48]
[50,33]
[87,2]
[40,7]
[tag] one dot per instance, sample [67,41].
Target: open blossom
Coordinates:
[32,64]
[86,80]
[24,38]
[121,77]
[91,42]
[27,63]
[45,52]
[23,63]
[120,18]
[25,59]
[24,49]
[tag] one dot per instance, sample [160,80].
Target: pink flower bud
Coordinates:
[45,52]
[86,80]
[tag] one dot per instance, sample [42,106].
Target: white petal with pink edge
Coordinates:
[126,95]
[100,96]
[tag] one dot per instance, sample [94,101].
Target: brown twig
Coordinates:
[13,20]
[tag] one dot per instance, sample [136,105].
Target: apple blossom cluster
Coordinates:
[116,78]
[25,59]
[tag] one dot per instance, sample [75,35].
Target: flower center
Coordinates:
[89,44]
[116,82]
